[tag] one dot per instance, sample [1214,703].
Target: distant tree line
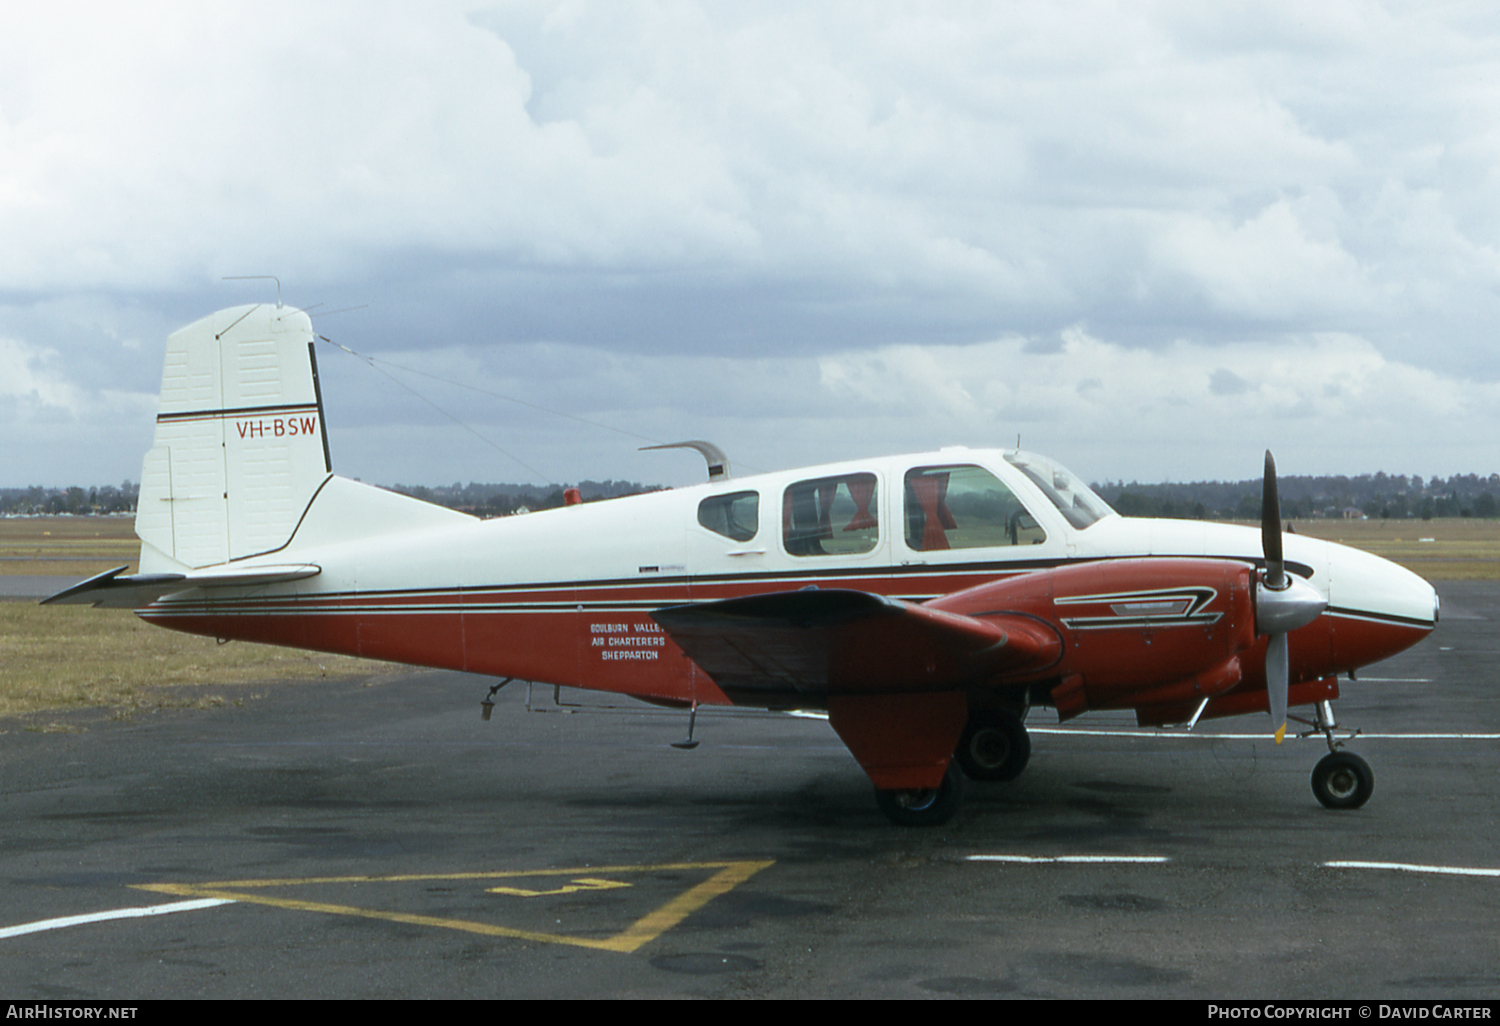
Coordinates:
[1376,496]
[39,501]
[501,500]
[483,500]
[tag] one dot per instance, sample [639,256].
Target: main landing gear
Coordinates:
[994,747]
[1340,780]
[928,806]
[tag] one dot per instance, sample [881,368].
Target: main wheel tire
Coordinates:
[1342,780]
[994,746]
[925,806]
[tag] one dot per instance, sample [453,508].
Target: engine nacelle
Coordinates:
[1139,632]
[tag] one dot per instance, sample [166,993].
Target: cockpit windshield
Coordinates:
[1076,500]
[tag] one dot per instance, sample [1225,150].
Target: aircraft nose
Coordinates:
[1379,608]
[1365,583]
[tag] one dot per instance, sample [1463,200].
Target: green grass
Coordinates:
[1447,549]
[74,657]
[67,546]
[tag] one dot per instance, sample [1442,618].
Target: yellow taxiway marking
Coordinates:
[583,883]
[729,875]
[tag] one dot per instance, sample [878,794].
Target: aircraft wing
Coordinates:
[822,640]
[112,591]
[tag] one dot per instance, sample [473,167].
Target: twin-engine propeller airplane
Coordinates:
[927,602]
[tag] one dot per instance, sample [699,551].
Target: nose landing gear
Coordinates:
[1340,780]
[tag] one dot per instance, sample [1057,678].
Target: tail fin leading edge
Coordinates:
[240,448]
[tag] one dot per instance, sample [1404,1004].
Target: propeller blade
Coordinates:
[1270,527]
[1278,675]
[1281,603]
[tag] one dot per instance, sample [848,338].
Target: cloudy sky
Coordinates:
[1149,239]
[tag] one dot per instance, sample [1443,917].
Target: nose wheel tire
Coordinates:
[994,746]
[925,806]
[1342,780]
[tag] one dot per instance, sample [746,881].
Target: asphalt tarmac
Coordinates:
[378,839]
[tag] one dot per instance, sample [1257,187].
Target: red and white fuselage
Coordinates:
[900,593]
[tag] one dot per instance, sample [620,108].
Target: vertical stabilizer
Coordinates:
[240,448]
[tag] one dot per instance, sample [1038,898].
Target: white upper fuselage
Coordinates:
[365,540]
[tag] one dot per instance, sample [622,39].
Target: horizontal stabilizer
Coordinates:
[819,641]
[112,591]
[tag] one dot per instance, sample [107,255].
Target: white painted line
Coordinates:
[1144,732]
[1091,859]
[1433,737]
[1260,736]
[119,913]
[1407,867]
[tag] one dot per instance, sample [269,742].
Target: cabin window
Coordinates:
[735,515]
[831,516]
[964,507]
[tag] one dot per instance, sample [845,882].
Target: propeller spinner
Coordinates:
[1282,603]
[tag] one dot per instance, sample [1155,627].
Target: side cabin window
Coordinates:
[735,515]
[830,516]
[964,507]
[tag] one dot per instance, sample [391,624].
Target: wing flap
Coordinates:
[837,640]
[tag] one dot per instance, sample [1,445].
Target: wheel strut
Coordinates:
[1323,722]
[1340,780]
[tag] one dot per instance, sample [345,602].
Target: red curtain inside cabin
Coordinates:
[861,490]
[931,491]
